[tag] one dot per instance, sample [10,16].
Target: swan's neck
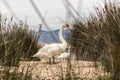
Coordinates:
[61,36]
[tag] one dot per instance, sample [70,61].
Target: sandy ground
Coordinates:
[81,70]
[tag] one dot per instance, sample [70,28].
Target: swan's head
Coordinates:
[65,26]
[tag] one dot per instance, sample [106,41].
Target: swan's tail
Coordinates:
[41,55]
[37,54]
[34,55]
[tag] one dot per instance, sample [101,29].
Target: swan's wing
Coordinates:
[49,47]
[52,49]
[55,48]
[44,48]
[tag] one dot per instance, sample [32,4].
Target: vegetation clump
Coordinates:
[17,42]
[99,39]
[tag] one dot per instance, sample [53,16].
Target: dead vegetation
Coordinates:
[99,39]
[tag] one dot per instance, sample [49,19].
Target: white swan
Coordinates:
[64,55]
[51,50]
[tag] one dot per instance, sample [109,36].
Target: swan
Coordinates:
[50,50]
[64,55]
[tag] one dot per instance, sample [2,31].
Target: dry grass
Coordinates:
[99,39]
[17,42]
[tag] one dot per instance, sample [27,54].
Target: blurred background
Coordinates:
[55,12]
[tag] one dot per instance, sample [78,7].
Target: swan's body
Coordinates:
[51,50]
[64,55]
